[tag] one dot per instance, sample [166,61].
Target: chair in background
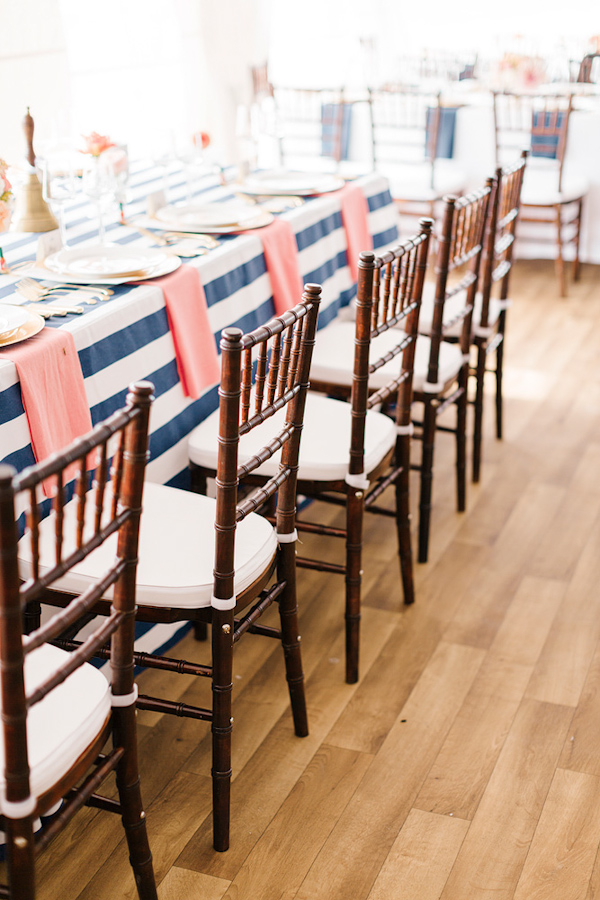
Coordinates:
[489,318]
[549,196]
[57,710]
[412,141]
[350,453]
[589,69]
[216,561]
[313,128]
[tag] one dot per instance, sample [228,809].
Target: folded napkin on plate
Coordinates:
[53,393]
[195,349]
[355,218]
[281,257]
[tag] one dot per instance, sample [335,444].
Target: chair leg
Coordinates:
[198,479]
[133,815]
[290,638]
[560,263]
[461,441]
[222,724]
[403,519]
[200,631]
[478,421]
[429,417]
[499,375]
[354,531]
[20,858]
[576,267]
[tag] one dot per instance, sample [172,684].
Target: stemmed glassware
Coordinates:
[99,183]
[59,183]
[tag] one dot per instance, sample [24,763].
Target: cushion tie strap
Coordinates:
[359,481]
[287,538]
[121,700]
[405,429]
[18,809]
[219,603]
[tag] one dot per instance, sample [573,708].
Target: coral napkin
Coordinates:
[281,257]
[52,389]
[195,349]
[355,212]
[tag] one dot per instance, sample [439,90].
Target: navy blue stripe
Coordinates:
[377,201]
[385,237]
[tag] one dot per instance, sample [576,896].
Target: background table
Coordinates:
[127,338]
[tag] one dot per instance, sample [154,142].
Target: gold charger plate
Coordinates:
[31,326]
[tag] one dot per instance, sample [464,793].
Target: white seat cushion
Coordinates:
[333,357]
[452,307]
[540,187]
[176,552]
[413,182]
[324,445]
[64,724]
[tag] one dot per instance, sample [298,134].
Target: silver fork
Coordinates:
[43,290]
[35,292]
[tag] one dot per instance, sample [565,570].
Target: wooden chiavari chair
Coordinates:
[57,710]
[489,318]
[313,127]
[441,367]
[350,452]
[217,562]
[549,196]
[405,134]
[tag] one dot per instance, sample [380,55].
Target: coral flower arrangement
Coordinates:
[5,207]
[96,144]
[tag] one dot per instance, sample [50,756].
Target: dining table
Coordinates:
[126,337]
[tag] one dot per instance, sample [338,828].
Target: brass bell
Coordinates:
[31,212]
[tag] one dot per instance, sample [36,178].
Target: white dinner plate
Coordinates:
[168,265]
[104,261]
[260,218]
[17,324]
[11,317]
[207,215]
[283,181]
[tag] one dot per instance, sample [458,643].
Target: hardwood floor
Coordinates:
[465,765]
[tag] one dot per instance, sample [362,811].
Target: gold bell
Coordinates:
[31,212]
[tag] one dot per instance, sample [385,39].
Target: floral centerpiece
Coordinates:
[96,144]
[5,208]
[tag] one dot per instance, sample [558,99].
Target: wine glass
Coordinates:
[59,184]
[99,183]
[116,158]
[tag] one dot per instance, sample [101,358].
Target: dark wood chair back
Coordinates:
[404,126]
[311,124]
[390,289]
[458,263]
[589,69]
[262,373]
[117,446]
[538,123]
[502,223]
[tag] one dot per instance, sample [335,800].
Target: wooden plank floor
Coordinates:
[465,765]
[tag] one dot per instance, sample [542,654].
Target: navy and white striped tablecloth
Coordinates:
[127,338]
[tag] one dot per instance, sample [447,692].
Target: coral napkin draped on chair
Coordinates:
[355,213]
[281,257]
[52,389]
[195,349]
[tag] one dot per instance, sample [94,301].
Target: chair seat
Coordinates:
[413,182]
[65,723]
[325,444]
[452,307]
[334,353]
[540,188]
[176,552]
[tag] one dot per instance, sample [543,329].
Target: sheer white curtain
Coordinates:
[142,71]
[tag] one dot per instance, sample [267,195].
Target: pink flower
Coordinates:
[5,213]
[201,139]
[95,143]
